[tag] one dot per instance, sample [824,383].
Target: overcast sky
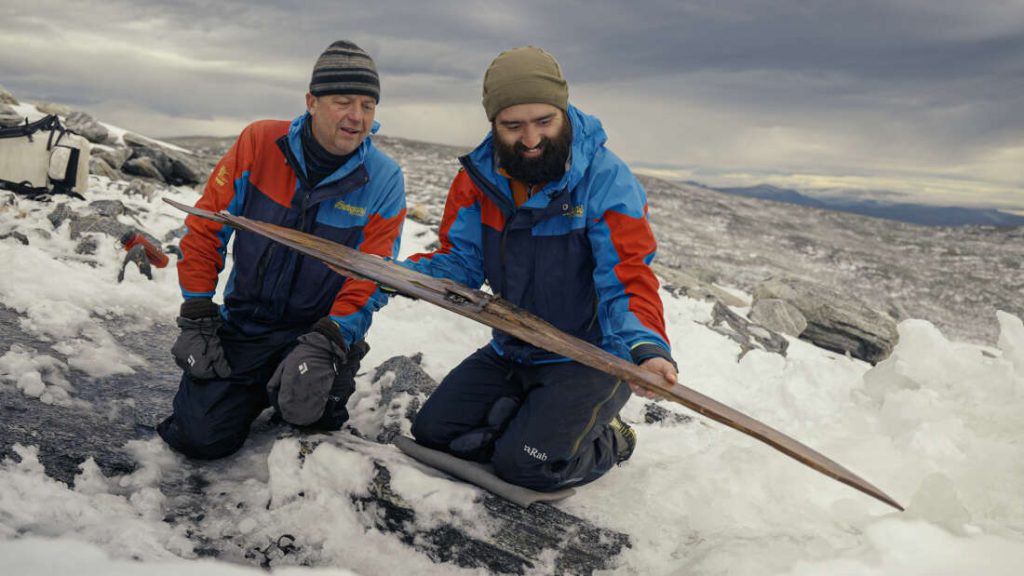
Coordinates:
[918,96]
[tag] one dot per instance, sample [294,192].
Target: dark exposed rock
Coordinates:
[87,245]
[17,236]
[185,170]
[59,214]
[81,224]
[523,540]
[101,167]
[87,126]
[143,166]
[837,322]
[108,208]
[115,156]
[655,414]
[404,386]
[174,167]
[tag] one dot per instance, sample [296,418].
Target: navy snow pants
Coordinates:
[211,418]
[543,426]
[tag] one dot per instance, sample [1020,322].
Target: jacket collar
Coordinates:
[295,145]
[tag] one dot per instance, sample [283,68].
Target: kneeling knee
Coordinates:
[524,466]
[199,444]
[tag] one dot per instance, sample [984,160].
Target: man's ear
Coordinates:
[310,101]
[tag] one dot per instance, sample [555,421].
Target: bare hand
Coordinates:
[659,366]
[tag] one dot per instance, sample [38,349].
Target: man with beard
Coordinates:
[556,224]
[290,331]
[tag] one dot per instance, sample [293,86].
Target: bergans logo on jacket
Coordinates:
[361,205]
[576,253]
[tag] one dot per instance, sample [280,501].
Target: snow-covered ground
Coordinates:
[938,426]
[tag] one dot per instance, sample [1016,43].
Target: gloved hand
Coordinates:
[301,387]
[198,350]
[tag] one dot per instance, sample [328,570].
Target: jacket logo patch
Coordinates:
[535,453]
[222,176]
[353,210]
[574,212]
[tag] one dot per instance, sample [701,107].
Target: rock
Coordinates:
[6,97]
[108,208]
[58,215]
[654,414]
[9,116]
[404,386]
[87,126]
[53,108]
[778,315]
[140,187]
[81,224]
[541,539]
[682,283]
[185,170]
[115,156]
[836,322]
[748,335]
[177,168]
[87,245]
[17,236]
[143,166]
[101,167]
[144,148]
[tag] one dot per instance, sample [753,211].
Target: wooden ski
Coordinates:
[502,315]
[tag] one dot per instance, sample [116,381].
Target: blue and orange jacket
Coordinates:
[361,205]
[577,253]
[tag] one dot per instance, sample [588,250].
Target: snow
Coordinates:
[937,425]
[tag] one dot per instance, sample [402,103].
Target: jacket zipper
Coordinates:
[507,208]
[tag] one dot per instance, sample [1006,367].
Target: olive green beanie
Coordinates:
[526,75]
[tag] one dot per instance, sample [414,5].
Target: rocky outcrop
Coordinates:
[683,283]
[9,117]
[53,108]
[114,156]
[101,167]
[136,156]
[173,167]
[778,315]
[143,166]
[6,97]
[836,322]
[87,126]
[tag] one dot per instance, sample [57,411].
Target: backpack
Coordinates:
[42,158]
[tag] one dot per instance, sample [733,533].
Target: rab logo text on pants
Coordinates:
[535,453]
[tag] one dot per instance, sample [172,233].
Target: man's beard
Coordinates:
[547,167]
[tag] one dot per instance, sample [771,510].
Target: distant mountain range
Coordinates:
[923,214]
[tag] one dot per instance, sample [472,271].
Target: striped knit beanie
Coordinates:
[345,68]
[526,75]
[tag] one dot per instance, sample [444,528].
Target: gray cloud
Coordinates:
[918,88]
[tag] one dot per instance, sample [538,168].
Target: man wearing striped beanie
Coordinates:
[289,333]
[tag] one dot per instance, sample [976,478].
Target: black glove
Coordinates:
[198,350]
[312,384]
